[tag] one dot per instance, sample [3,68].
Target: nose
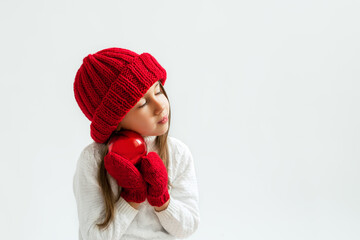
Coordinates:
[159,106]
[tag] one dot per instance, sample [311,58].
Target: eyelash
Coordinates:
[146,101]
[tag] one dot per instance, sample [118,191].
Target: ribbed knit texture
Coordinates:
[179,220]
[109,83]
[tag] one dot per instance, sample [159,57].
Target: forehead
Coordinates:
[152,88]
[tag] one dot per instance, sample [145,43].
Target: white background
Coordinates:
[264,93]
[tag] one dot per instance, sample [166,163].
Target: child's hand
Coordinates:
[134,188]
[154,173]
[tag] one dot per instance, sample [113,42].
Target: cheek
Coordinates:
[143,119]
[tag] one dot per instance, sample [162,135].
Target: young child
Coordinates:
[119,89]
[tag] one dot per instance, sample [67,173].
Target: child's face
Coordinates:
[148,111]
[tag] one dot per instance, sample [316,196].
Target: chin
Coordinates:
[164,132]
[159,132]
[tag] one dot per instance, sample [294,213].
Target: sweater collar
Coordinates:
[150,141]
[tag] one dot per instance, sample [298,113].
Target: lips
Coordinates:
[162,119]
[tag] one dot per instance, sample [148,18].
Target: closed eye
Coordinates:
[146,101]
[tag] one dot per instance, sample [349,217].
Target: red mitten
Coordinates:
[154,173]
[134,188]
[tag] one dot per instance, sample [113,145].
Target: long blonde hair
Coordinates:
[109,198]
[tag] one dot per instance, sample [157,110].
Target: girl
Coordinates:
[119,89]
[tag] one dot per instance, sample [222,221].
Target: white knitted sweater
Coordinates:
[179,220]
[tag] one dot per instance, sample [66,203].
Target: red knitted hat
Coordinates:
[109,83]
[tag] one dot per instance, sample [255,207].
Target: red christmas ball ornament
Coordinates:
[128,144]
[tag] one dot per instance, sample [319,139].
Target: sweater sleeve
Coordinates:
[90,203]
[181,218]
